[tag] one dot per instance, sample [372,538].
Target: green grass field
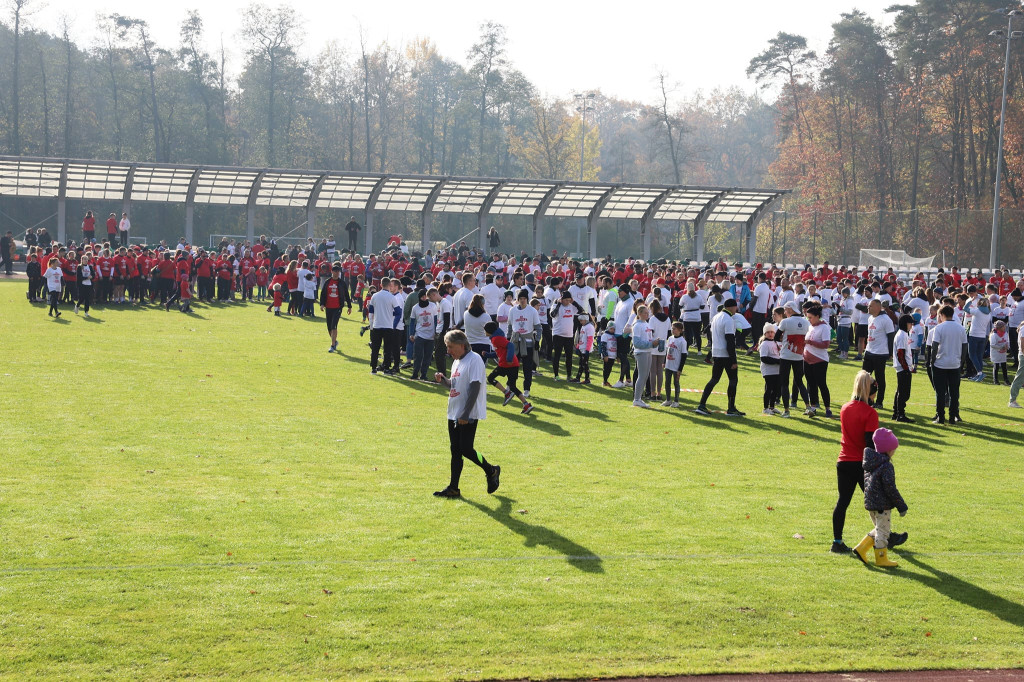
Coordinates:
[215,495]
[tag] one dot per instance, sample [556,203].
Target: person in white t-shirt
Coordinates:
[947,346]
[1018,379]
[723,351]
[563,320]
[760,306]
[979,308]
[467,406]
[771,357]
[903,363]
[54,277]
[675,360]
[526,330]
[816,342]
[877,350]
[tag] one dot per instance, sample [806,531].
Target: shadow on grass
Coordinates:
[962,591]
[575,554]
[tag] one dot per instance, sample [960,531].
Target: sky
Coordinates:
[562,47]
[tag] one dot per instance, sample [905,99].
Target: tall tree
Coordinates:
[19,10]
[487,59]
[272,34]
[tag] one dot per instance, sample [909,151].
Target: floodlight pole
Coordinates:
[584,104]
[994,247]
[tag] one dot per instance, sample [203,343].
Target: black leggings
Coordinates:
[562,343]
[875,364]
[692,332]
[722,365]
[771,390]
[849,475]
[817,380]
[461,437]
[622,355]
[797,367]
[54,302]
[85,297]
[584,368]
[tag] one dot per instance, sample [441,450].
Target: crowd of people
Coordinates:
[639,322]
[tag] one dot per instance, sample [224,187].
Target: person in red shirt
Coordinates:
[165,270]
[508,366]
[225,273]
[112,228]
[277,288]
[105,264]
[70,276]
[89,228]
[262,280]
[334,295]
[858,422]
[182,292]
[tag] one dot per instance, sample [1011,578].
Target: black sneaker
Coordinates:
[733,412]
[896,539]
[574,381]
[509,395]
[904,419]
[448,492]
[373,371]
[492,479]
[703,411]
[839,548]
[406,365]
[956,419]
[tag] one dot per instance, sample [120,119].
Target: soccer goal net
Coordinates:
[893,259]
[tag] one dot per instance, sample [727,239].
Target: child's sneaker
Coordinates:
[667,403]
[527,408]
[509,395]
[767,413]
[675,403]
[526,394]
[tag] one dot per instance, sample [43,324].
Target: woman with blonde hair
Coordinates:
[858,421]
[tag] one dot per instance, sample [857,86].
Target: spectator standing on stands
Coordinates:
[352,227]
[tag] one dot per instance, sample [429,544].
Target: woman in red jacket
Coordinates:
[858,421]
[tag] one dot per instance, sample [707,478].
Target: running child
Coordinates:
[508,366]
[54,277]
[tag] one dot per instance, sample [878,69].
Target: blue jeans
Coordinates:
[843,337]
[976,352]
[423,349]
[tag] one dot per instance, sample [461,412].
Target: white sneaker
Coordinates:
[785,414]
[629,383]
[640,403]
[674,404]
[618,384]
[809,411]
[1013,404]
[767,413]
[667,403]
[526,394]
[776,412]
[87,315]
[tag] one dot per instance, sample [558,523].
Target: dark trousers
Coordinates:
[54,301]
[562,344]
[70,294]
[205,288]
[223,289]
[353,237]
[875,364]
[545,341]
[440,354]
[584,368]
[421,356]
[1014,350]
[797,368]
[622,355]
[903,381]
[771,390]
[757,321]
[526,362]
[85,297]
[947,383]
[849,475]
[393,353]
[817,381]
[722,365]
[461,437]
[379,337]
[124,237]
[691,330]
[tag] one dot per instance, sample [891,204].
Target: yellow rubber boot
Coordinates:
[861,550]
[882,558]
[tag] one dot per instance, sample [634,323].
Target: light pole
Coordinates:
[584,103]
[1007,35]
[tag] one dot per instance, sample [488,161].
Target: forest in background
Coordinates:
[888,138]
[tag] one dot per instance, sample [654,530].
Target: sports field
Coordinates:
[214,495]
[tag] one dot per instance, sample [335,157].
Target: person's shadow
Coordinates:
[962,591]
[577,555]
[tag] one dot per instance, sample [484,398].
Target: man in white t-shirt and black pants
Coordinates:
[723,352]
[762,297]
[947,346]
[878,349]
[467,406]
